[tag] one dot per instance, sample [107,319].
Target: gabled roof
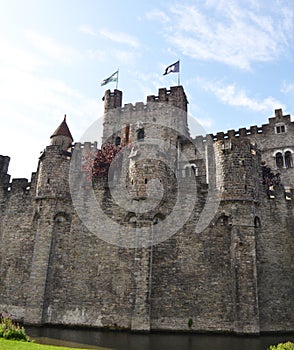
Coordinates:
[62,130]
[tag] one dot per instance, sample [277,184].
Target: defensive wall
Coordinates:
[233,272]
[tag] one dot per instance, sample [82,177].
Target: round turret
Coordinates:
[62,136]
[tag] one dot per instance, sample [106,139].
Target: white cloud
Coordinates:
[87,30]
[120,37]
[157,15]
[228,32]
[287,87]
[231,95]
[125,56]
[16,57]
[51,48]
[97,54]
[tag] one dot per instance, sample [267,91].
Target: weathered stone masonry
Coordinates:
[232,271]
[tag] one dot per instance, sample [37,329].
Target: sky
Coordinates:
[236,63]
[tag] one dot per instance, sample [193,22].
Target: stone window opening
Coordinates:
[117,141]
[257,222]
[61,217]
[279,160]
[283,158]
[280,128]
[288,159]
[189,170]
[157,218]
[141,135]
[131,219]
[224,220]
[194,169]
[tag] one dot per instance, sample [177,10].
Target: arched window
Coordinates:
[189,170]
[257,222]
[157,218]
[279,160]
[224,220]
[194,169]
[117,141]
[288,159]
[61,217]
[131,219]
[140,135]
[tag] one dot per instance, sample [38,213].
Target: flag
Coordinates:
[113,77]
[173,68]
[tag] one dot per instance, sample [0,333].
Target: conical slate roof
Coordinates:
[62,130]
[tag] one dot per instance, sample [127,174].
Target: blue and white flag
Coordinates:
[173,68]
[113,77]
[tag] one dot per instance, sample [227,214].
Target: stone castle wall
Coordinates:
[228,267]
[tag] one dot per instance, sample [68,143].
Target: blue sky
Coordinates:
[236,63]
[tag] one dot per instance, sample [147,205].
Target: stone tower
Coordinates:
[150,135]
[51,216]
[238,177]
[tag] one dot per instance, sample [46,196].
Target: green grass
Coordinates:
[18,345]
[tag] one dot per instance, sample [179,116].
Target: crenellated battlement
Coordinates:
[16,184]
[242,132]
[85,146]
[264,129]
[254,130]
[19,185]
[175,96]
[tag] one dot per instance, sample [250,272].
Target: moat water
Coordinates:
[92,339]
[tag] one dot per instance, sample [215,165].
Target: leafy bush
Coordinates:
[282,346]
[10,330]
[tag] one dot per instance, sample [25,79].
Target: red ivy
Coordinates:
[96,164]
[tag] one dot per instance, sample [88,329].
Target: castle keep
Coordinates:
[155,230]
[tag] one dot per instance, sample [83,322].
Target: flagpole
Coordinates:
[179,74]
[117,78]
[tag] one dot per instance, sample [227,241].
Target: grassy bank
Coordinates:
[18,345]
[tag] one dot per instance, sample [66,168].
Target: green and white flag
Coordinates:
[113,77]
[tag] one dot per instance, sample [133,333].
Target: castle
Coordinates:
[155,230]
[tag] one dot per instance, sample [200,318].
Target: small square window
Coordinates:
[280,129]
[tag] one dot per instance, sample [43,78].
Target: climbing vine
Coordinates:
[96,164]
[269,177]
